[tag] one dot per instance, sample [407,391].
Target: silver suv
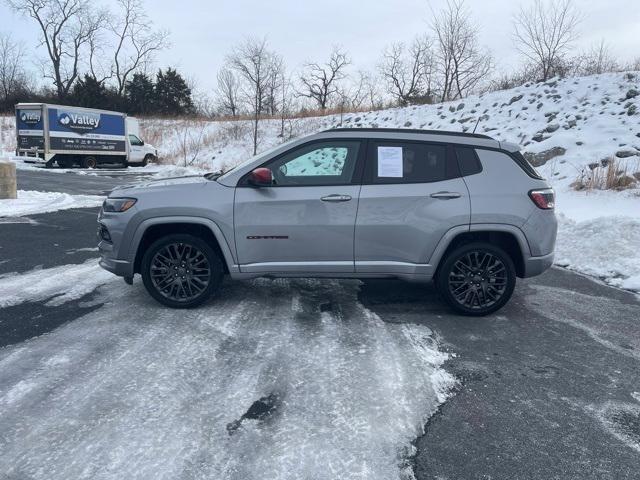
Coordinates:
[462,209]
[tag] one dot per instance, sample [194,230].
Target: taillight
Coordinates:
[544,198]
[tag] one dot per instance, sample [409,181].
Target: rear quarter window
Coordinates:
[525,165]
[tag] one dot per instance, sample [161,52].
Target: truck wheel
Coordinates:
[476,279]
[89,162]
[181,271]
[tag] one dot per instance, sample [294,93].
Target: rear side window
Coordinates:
[468,161]
[408,162]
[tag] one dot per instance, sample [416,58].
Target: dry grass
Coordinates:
[612,174]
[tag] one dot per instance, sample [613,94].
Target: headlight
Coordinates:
[118,204]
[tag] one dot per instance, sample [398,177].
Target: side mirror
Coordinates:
[261,177]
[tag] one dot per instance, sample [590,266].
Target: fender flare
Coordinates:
[210,224]
[452,233]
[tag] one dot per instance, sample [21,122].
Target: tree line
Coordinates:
[93,57]
[102,58]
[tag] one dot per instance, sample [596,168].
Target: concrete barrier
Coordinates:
[8,187]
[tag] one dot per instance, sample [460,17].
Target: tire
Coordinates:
[476,279]
[166,254]
[89,162]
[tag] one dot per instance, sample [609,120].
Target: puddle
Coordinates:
[259,410]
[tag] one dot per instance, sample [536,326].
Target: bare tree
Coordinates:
[544,32]
[12,72]
[461,63]
[598,59]
[136,41]
[408,72]
[66,27]
[285,100]
[191,135]
[358,92]
[320,81]
[227,92]
[276,77]
[252,60]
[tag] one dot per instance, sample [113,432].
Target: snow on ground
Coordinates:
[133,391]
[58,285]
[599,234]
[32,202]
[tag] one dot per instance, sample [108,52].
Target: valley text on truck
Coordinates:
[72,136]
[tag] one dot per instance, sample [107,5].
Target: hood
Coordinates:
[173,183]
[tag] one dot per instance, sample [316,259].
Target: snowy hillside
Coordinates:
[582,134]
[566,125]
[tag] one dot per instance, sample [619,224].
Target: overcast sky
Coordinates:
[203,31]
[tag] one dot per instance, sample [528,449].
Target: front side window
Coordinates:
[135,141]
[408,162]
[330,163]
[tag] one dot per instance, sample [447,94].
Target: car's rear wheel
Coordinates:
[181,271]
[476,279]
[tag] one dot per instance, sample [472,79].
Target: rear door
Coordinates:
[304,222]
[30,129]
[411,195]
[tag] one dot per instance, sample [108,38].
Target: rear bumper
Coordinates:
[536,265]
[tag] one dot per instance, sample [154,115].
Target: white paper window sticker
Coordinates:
[390,162]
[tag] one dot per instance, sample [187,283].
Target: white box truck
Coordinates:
[72,136]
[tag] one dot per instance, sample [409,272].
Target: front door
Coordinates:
[136,149]
[304,221]
[412,194]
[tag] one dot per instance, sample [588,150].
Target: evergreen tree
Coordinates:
[172,94]
[91,93]
[140,95]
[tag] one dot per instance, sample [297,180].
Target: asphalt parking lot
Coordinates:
[549,387]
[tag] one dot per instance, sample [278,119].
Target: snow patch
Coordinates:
[59,284]
[148,392]
[32,202]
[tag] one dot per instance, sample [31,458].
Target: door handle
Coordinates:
[445,195]
[336,198]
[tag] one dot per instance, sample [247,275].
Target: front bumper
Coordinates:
[108,261]
[534,266]
[121,268]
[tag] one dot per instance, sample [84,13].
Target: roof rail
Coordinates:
[409,130]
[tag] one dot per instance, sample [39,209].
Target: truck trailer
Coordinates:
[72,136]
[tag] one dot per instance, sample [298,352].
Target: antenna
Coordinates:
[474,128]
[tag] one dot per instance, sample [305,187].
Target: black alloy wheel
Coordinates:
[181,271]
[477,279]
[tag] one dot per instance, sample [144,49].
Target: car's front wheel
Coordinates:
[181,271]
[476,279]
